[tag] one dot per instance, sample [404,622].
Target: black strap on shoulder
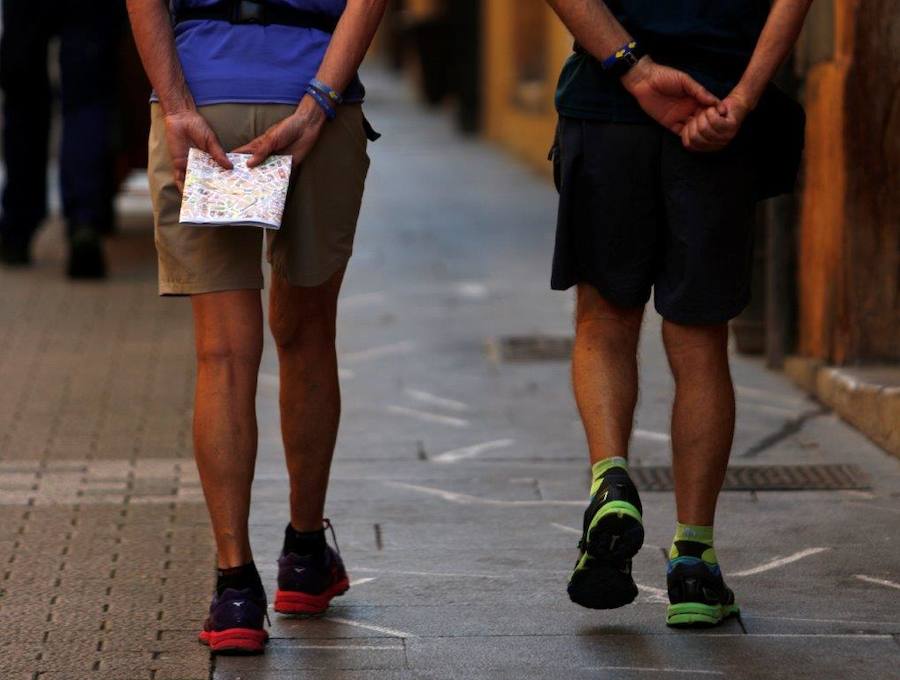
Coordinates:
[256,12]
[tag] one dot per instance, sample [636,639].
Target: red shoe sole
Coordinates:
[242,640]
[294,602]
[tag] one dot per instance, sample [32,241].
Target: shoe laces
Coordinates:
[328,525]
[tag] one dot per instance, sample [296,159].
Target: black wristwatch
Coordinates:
[619,63]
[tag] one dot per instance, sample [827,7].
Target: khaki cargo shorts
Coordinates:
[320,215]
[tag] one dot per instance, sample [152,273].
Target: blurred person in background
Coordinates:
[658,177]
[89,34]
[261,78]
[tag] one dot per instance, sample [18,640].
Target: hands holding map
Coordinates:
[240,196]
[295,135]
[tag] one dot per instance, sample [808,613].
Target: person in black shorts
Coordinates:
[658,179]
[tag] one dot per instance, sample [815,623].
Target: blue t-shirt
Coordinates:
[237,63]
[712,40]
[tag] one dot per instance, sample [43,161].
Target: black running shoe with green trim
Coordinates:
[698,595]
[613,533]
[598,584]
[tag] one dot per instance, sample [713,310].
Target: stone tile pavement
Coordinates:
[105,565]
[459,480]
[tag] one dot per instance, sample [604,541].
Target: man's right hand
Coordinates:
[185,129]
[668,96]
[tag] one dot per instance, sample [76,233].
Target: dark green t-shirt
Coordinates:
[712,40]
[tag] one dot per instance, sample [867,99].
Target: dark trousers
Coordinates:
[88,35]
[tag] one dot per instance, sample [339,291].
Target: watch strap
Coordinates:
[621,61]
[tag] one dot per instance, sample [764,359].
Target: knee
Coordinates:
[229,355]
[308,324]
[692,347]
[596,314]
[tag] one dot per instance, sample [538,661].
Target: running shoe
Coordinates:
[235,623]
[698,595]
[307,583]
[613,533]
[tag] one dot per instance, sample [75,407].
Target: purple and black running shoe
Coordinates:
[235,623]
[307,584]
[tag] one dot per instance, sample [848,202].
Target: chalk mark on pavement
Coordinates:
[435,400]
[427,416]
[472,451]
[466,499]
[878,581]
[780,562]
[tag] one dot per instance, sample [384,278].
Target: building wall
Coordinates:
[824,182]
[518,97]
[849,240]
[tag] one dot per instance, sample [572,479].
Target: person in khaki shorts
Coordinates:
[261,77]
[316,235]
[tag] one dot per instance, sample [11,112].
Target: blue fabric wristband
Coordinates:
[322,101]
[329,92]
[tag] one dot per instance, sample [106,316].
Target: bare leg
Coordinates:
[228,332]
[303,325]
[702,417]
[605,372]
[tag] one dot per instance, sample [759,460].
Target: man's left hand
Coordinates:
[295,135]
[714,127]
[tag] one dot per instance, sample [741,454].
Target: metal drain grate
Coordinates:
[764,478]
[525,348]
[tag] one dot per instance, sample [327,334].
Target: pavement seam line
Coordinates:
[790,427]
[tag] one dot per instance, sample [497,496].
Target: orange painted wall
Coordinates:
[820,283]
[526,131]
[849,237]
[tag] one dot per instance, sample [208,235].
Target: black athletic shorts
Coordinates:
[638,211]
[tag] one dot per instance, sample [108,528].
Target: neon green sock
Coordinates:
[695,534]
[601,467]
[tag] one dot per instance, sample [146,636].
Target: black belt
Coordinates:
[257,12]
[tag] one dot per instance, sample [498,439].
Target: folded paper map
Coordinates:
[243,196]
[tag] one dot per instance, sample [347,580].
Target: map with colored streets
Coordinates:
[241,196]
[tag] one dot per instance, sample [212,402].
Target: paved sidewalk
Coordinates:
[104,541]
[459,480]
